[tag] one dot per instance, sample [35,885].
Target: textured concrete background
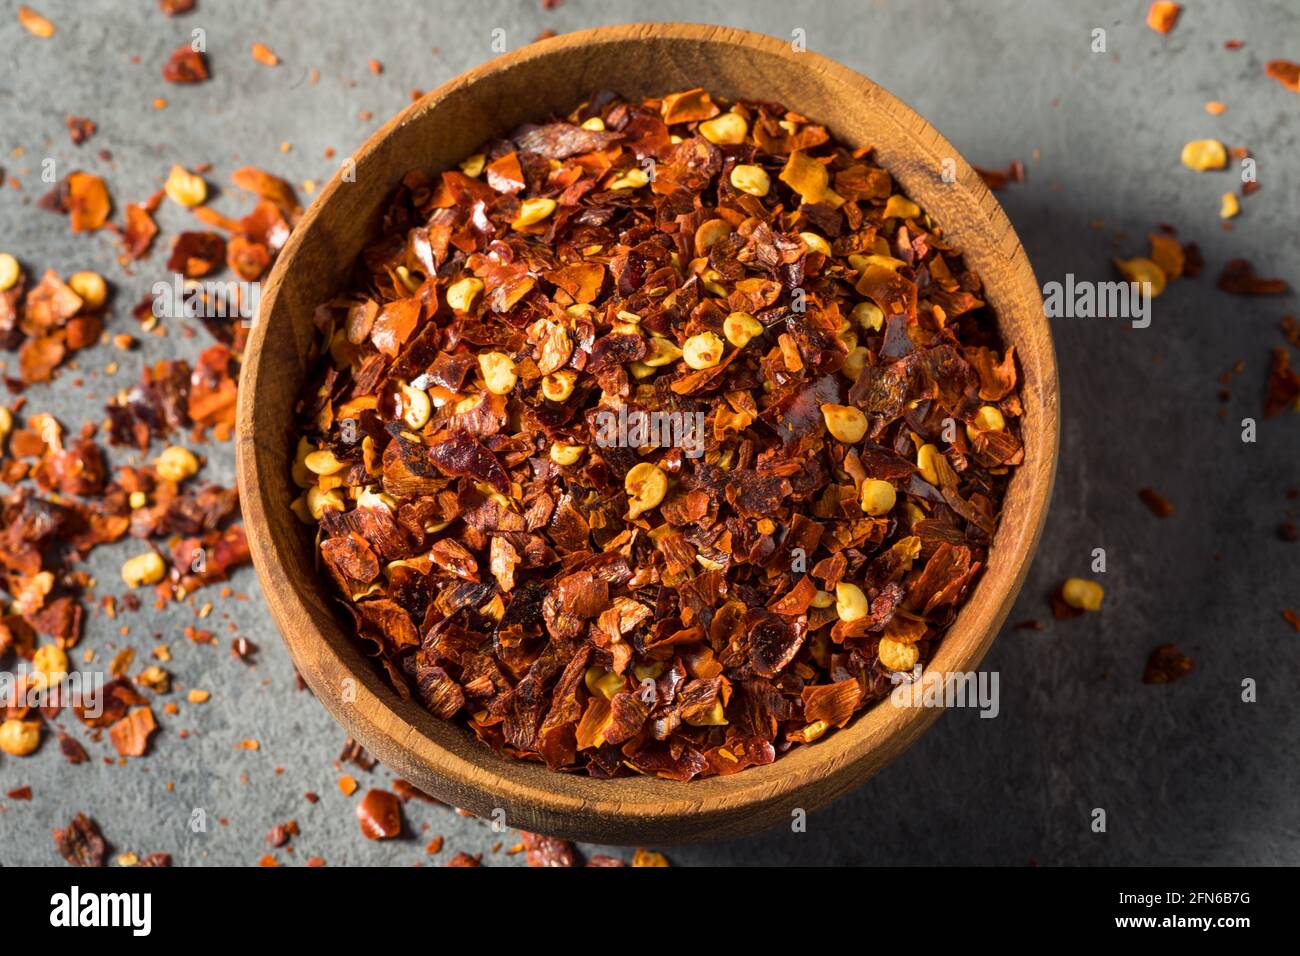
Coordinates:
[1187,773]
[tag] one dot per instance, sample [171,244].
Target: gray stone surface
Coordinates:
[1187,773]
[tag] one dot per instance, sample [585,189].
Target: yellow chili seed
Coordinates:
[878,497]
[741,328]
[462,292]
[147,568]
[533,211]
[1203,154]
[1082,594]
[846,423]
[91,287]
[729,129]
[896,655]
[900,207]
[185,188]
[9,271]
[661,352]
[177,464]
[416,406]
[18,738]
[815,243]
[558,386]
[633,178]
[646,484]
[323,462]
[472,166]
[850,602]
[869,316]
[751,179]
[702,351]
[925,463]
[564,455]
[498,372]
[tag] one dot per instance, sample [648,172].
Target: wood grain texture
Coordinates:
[552,76]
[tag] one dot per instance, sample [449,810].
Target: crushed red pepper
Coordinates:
[185,65]
[1167,664]
[80,842]
[622,609]
[1158,503]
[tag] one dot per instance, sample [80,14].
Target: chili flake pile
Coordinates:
[641,606]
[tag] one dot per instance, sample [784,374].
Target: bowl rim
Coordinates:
[639,809]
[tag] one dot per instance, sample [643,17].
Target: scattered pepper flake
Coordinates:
[265,55]
[80,129]
[1166,665]
[80,842]
[1158,503]
[1239,277]
[1285,72]
[185,65]
[644,857]
[34,23]
[1163,15]
[379,814]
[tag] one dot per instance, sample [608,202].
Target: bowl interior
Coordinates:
[435,133]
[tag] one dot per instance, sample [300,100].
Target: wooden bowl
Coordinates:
[553,76]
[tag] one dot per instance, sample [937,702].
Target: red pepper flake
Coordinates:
[1158,503]
[1233,44]
[1283,384]
[80,129]
[375,66]
[434,846]
[546,850]
[1288,531]
[379,815]
[34,23]
[83,197]
[195,254]
[315,861]
[1167,664]
[185,65]
[464,859]
[311,797]
[265,55]
[1285,72]
[996,179]
[1292,618]
[644,857]
[80,842]
[1163,15]
[175,7]
[20,793]
[1239,277]
[140,230]
[408,791]
[72,751]
[268,861]
[281,833]
[130,735]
